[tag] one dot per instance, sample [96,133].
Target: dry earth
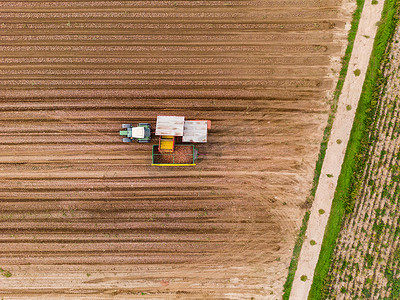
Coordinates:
[85,216]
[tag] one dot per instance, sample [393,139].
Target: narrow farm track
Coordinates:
[366,259]
[84,214]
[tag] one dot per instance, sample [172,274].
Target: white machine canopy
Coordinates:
[195,132]
[170,125]
[138,132]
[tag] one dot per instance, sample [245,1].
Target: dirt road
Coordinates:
[335,152]
[83,214]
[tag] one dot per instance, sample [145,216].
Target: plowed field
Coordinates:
[85,215]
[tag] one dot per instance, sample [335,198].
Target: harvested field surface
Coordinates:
[367,255]
[85,215]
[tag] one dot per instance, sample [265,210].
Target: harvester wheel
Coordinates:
[126,125]
[127,140]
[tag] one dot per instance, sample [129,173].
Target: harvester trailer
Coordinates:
[183,155]
[174,135]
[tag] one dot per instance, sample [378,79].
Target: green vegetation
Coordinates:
[349,181]
[321,211]
[303,278]
[296,252]
[394,281]
[357,72]
[386,28]
[5,273]
[323,147]
[337,92]
[312,242]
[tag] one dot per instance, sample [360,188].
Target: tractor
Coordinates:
[176,139]
[141,133]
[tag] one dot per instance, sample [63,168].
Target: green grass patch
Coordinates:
[296,252]
[394,282]
[323,147]
[350,179]
[5,273]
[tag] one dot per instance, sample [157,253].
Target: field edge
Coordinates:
[323,146]
[354,161]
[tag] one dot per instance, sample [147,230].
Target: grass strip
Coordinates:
[324,144]
[350,179]
[295,257]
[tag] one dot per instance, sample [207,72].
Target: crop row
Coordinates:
[366,258]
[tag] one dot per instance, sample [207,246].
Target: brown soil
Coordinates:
[181,155]
[85,215]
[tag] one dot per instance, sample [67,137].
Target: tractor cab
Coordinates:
[137,132]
